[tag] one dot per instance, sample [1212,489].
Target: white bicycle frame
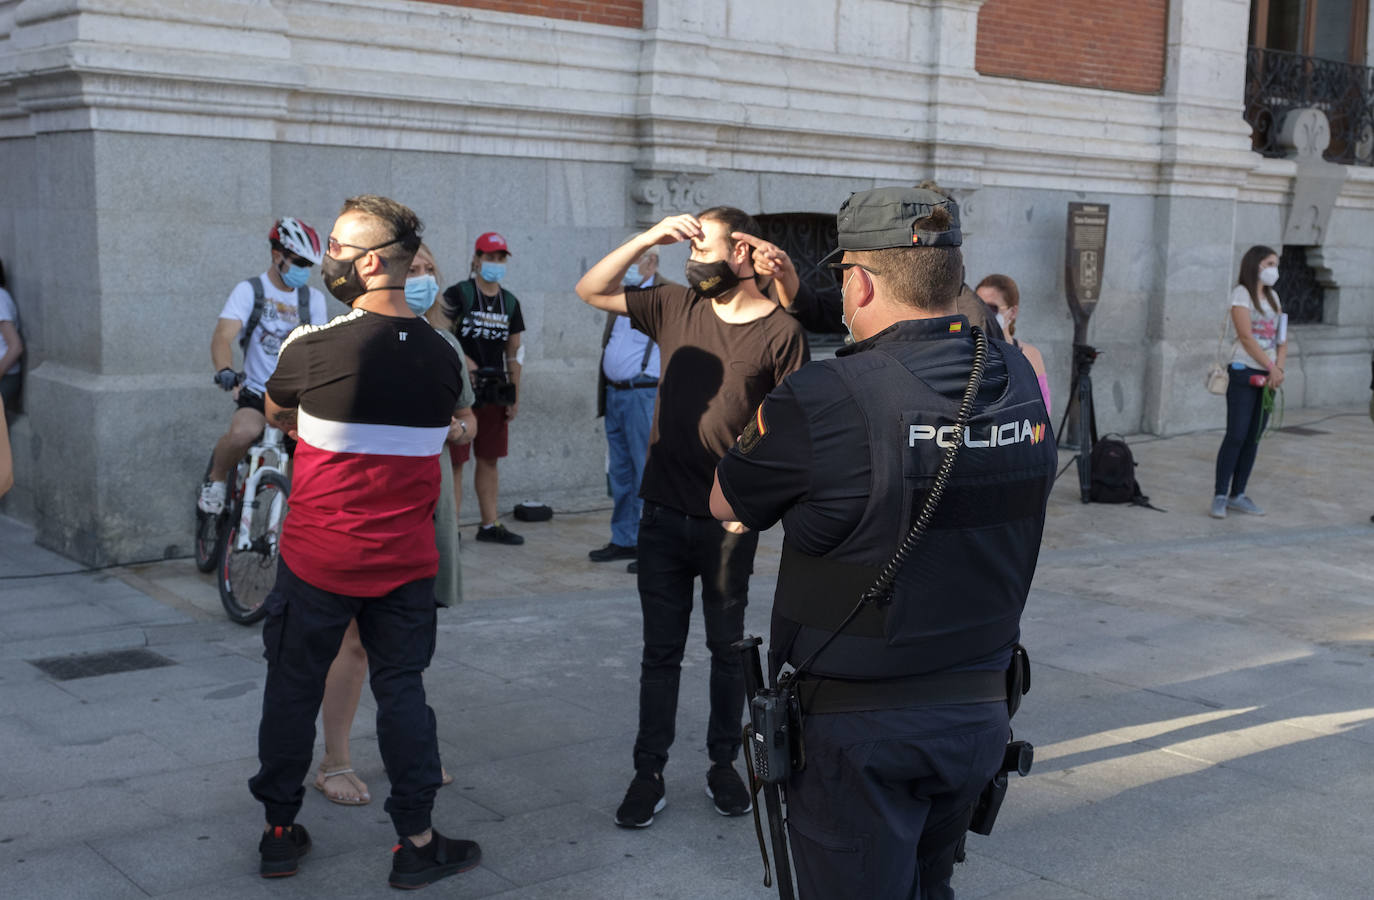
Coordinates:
[270,443]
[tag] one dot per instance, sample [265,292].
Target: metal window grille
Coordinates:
[1298,289]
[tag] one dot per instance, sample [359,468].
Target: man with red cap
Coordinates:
[487,320]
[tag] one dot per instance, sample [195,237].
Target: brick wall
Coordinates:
[1113,44]
[626,13]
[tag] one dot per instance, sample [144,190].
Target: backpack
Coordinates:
[1113,473]
[260,301]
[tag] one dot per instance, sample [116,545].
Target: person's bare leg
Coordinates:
[342,689]
[244,428]
[485,480]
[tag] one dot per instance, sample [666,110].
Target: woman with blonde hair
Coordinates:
[1003,300]
[344,685]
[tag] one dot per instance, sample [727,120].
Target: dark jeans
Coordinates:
[875,783]
[302,634]
[1245,422]
[9,390]
[674,550]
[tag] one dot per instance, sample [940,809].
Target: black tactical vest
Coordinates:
[958,598]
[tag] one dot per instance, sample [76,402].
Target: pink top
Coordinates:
[1044,389]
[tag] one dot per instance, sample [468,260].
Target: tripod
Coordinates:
[1080,416]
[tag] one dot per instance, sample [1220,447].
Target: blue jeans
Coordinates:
[1245,421]
[629,416]
[301,637]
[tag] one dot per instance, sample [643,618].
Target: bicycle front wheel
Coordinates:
[246,575]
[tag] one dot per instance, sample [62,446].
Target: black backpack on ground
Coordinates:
[1113,473]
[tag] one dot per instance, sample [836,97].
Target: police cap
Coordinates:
[886,217]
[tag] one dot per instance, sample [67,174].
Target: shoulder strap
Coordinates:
[259,300]
[303,305]
[648,352]
[1225,326]
[466,301]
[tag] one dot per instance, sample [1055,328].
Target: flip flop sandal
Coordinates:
[324,776]
[448,779]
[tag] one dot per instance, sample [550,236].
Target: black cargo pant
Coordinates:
[674,550]
[875,783]
[302,634]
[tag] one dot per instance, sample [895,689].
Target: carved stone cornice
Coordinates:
[661,194]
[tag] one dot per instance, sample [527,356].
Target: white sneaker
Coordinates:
[211,500]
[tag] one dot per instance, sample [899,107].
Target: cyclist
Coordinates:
[260,313]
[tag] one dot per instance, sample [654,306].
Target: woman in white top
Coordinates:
[1256,362]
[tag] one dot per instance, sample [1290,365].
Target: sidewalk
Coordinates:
[1201,709]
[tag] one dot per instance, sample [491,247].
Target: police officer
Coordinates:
[905,718]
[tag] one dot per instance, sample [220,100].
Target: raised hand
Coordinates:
[770,260]
[674,229]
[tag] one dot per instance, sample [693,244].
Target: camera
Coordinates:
[490,387]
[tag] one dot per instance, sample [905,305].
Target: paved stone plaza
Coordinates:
[1202,712]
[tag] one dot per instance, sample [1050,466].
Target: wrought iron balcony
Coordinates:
[1277,81]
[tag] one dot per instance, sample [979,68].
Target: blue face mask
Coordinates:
[295,276]
[632,277]
[420,293]
[493,272]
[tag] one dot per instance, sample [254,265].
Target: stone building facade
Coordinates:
[147,145]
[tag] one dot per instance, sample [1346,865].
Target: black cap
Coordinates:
[886,217]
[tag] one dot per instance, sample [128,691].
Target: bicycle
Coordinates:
[255,507]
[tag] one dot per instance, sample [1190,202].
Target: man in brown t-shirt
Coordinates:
[723,346]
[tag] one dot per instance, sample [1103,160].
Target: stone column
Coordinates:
[1205,156]
[130,194]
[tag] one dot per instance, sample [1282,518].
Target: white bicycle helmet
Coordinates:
[297,237]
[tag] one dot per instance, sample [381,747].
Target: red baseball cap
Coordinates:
[491,242]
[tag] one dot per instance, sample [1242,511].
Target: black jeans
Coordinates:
[1245,422]
[302,634]
[674,550]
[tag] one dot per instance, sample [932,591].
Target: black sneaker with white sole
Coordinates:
[281,849]
[727,790]
[644,798]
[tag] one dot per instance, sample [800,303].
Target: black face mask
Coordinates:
[710,279]
[341,279]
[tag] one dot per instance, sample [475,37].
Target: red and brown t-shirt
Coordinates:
[375,396]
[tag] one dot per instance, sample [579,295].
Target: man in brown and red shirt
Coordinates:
[723,346]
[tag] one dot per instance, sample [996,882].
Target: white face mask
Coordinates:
[848,326]
[1002,322]
[1270,276]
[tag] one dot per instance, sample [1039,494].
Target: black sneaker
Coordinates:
[281,850]
[633,568]
[726,788]
[613,551]
[642,800]
[497,534]
[414,867]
